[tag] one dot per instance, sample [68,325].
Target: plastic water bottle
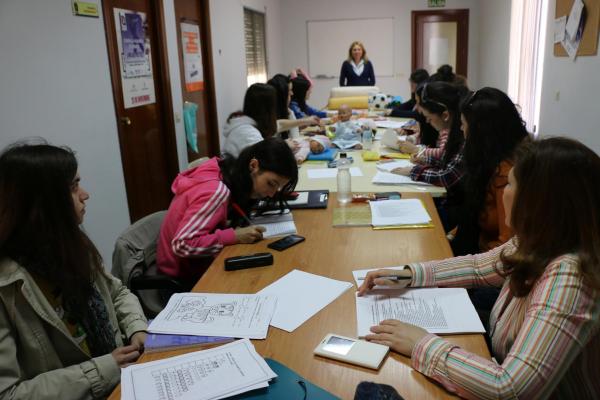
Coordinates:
[367,139]
[344,181]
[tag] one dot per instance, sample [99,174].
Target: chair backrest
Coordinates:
[135,249]
[197,162]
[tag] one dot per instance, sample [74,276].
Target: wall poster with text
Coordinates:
[192,57]
[135,58]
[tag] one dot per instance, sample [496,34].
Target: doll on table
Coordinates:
[315,145]
[346,133]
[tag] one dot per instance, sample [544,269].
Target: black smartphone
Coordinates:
[285,242]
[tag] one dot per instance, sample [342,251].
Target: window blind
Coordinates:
[255,44]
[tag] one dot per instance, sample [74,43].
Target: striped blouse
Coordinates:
[440,145]
[547,343]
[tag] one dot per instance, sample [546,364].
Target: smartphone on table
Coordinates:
[285,242]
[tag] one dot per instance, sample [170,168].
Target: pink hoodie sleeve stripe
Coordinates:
[197,223]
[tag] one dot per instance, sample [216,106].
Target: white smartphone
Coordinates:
[353,351]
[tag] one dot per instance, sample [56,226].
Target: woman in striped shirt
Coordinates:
[545,324]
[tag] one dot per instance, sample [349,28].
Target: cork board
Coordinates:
[589,41]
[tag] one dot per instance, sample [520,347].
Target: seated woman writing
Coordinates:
[207,196]
[545,325]
[66,326]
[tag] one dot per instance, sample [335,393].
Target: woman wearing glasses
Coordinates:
[546,322]
[439,104]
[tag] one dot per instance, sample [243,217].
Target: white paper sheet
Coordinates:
[322,173]
[559,28]
[211,314]
[387,178]
[388,166]
[574,18]
[300,296]
[390,124]
[398,212]
[447,310]
[208,374]
[276,224]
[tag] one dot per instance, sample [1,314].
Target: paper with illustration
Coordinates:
[211,314]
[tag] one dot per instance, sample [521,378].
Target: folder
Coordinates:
[310,199]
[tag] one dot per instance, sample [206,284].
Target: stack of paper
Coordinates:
[276,223]
[389,166]
[211,374]
[436,310]
[323,173]
[294,306]
[210,314]
[398,213]
[387,178]
[390,124]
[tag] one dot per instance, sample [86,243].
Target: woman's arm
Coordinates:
[197,232]
[343,74]
[287,124]
[445,176]
[560,320]
[371,73]
[127,307]
[91,379]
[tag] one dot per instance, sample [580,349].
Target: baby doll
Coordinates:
[346,133]
[315,145]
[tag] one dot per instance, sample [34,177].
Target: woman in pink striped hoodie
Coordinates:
[206,198]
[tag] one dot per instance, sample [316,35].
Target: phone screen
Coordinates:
[338,345]
[285,242]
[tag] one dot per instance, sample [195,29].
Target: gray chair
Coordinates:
[134,262]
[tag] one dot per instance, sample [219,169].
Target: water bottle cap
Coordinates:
[343,155]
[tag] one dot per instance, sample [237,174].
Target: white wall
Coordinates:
[570,93]
[294,15]
[494,43]
[229,58]
[55,83]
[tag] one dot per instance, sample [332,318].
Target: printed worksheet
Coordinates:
[447,310]
[211,314]
[208,374]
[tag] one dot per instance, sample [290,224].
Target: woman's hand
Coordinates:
[126,355]
[399,336]
[138,339]
[401,171]
[408,147]
[293,144]
[415,159]
[310,121]
[249,234]
[375,278]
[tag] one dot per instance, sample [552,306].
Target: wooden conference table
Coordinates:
[335,253]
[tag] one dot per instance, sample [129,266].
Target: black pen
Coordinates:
[390,277]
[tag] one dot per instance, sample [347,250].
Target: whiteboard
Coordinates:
[329,40]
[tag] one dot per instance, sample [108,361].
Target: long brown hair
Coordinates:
[39,227]
[555,210]
[362,46]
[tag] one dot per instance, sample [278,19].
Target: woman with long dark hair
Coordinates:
[439,102]
[546,322]
[207,196]
[257,120]
[493,129]
[66,326]
[301,90]
[287,123]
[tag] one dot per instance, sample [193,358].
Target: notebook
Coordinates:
[156,342]
[310,199]
[276,223]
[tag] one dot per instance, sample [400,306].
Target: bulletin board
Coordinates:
[329,40]
[589,40]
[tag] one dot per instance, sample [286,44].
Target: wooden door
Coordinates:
[440,37]
[137,55]
[192,17]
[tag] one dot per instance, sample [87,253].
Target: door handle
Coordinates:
[126,121]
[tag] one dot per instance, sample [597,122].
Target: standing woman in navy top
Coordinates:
[357,70]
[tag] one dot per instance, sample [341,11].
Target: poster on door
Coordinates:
[192,57]
[135,58]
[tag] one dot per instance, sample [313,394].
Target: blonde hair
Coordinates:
[364,54]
